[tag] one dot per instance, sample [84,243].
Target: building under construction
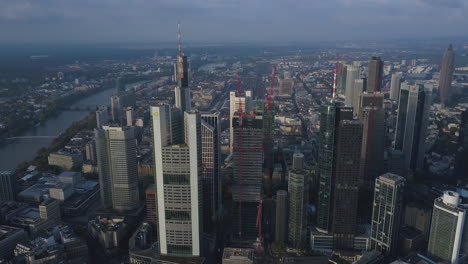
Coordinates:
[248,171]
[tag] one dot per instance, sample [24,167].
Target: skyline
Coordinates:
[54,21]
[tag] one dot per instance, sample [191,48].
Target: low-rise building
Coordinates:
[66,160]
[9,237]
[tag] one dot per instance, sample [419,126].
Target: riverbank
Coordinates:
[52,110]
[41,159]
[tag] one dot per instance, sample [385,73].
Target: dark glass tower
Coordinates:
[446,72]
[374,81]
[330,116]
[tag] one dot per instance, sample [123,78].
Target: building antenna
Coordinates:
[179,39]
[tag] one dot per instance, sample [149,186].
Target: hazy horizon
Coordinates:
[217,21]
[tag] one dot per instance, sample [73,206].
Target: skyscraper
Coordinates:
[152,208]
[448,220]
[374,81]
[346,180]
[116,107]
[395,85]
[182,90]
[352,74]
[117,164]
[281,223]
[7,186]
[358,89]
[386,213]
[341,70]
[339,167]
[412,120]
[210,136]
[372,116]
[178,182]
[446,72]
[298,190]
[235,100]
[248,173]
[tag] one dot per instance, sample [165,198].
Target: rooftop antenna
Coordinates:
[179,39]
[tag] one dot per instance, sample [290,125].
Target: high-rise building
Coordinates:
[234,102]
[117,166]
[446,72]
[358,89]
[374,81]
[49,210]
[341,70]
[330,116]
[7,186]
[152,208]
[412,121]
[346,180]
[395,85]
[116,107]
[102,117]
[281,223]
[387,212]
[339,167]
[182,90]
[372,116]
[248,173]
[210,138]
[352,74]
[448,220]
[179,182]
[129,116]
[298,190]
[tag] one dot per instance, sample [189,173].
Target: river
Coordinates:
[15,151]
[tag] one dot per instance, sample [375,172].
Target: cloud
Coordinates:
[444,3]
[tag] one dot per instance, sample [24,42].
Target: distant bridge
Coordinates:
[32,137]
[83,107]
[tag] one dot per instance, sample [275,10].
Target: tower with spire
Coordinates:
[182,91]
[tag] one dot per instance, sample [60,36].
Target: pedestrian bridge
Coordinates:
[32,137]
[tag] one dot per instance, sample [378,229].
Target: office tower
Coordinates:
[117,165]
[235,100]
[374,81]
[448,220]
[372,116]
[341,77]
[352,74]
[90,151]
[248,173]
[298,161]
[329,117]
[182,91]
[358,89]
[129,115]
[281,223]
[102,117]
[386,212]
[210,138]
[298,190]
[346,179]
[178,182]
[7,186]
[412,121]
[395,85]
[446,72]
[116,107]
[152,208]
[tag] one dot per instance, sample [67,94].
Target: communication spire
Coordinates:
[179,39]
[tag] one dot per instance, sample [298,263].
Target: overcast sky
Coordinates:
[57,21]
